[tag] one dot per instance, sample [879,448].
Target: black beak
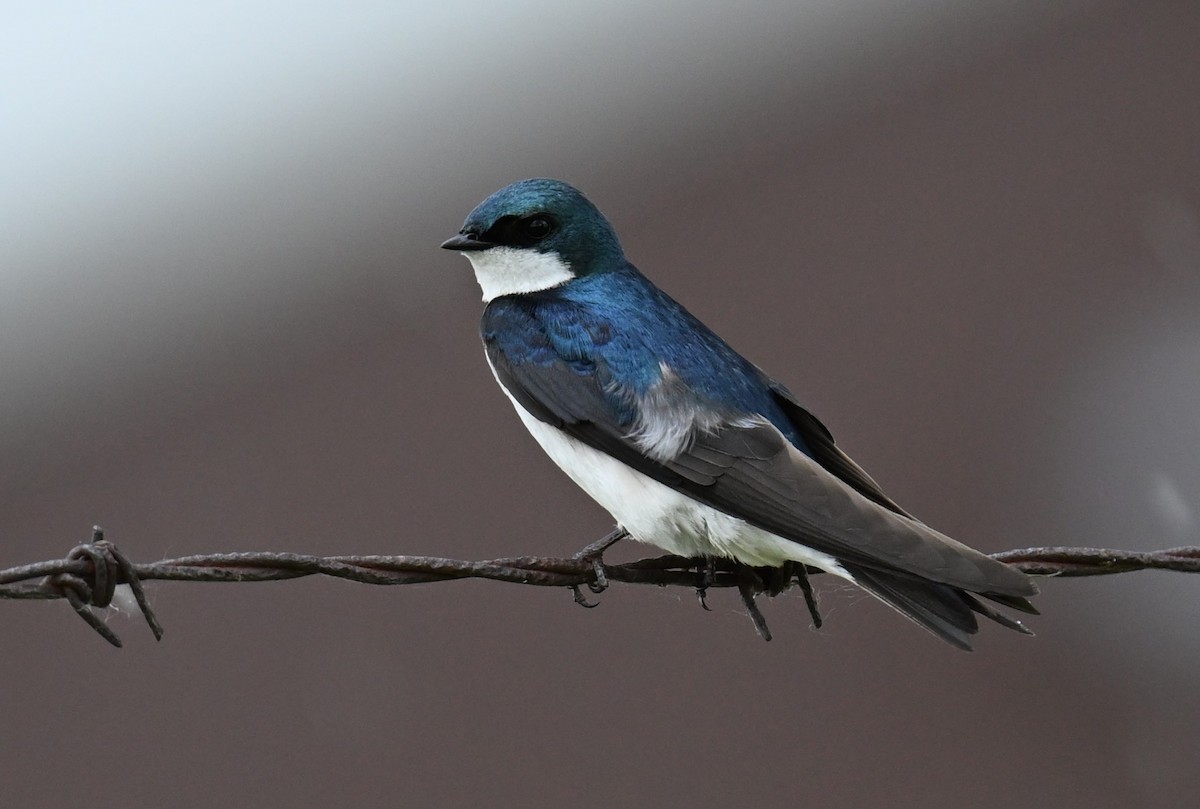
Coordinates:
[464,242]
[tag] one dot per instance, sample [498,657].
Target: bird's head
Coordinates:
[535,235]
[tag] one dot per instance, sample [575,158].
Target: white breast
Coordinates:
[657,514]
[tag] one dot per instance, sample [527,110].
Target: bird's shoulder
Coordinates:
[549,355]
[622,331]
[621,339]
[544,329]
[603,324]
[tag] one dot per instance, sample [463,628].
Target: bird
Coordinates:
[688,445]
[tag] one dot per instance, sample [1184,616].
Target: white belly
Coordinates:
[657,514]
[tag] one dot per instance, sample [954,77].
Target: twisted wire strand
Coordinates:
[87,577]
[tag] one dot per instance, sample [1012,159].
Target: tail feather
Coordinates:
[999,617]
[946,611]
[1013,602]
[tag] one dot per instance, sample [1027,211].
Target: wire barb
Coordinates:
[96,583]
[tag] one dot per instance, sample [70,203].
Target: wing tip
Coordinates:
[946,611]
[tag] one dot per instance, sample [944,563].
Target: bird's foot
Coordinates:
[750,584]
[810,597]
[594,553]
[776,579]
[707,568]
[754,581]
[581,600]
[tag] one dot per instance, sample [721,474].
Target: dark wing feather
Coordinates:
[820,441]
[754,473]
[748,470]
[759,476]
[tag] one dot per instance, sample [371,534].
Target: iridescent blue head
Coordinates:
[534,235]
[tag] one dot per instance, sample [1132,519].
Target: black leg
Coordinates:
[748,590]
[810,597]
[707,568]
[594,553]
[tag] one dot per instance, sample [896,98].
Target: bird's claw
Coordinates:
[708,571]
[580,600]
[601,582]
[776,580]
[594,553]
[810,596]
[749,588]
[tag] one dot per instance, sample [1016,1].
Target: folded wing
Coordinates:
[747,468]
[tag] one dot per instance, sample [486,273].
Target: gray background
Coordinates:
[966,235]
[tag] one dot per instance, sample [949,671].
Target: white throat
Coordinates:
[513,271]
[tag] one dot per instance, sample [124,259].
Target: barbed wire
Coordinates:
[88,576]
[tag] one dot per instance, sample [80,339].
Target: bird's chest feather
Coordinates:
[649,510]
[658,514]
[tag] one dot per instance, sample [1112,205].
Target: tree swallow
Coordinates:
[686,443]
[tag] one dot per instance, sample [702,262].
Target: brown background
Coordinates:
[968,239]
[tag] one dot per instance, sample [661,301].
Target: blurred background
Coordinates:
[966,235]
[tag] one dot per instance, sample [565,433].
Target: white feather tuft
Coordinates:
[670,418]
[516,271]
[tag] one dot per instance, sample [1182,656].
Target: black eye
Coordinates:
[537,227]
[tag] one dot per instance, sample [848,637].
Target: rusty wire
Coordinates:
[88,575]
